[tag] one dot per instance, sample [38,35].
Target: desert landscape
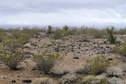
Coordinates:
[68,55]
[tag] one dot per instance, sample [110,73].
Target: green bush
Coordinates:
[31,31]
[120,49]
[11,53]
[58,33]
[46,60]
[96,33]
[96,66]
[2,36]
[12,59]
[16,33]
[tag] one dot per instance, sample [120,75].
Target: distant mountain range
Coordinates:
[94,25]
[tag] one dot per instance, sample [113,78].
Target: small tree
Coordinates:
[110,37]
[49,31]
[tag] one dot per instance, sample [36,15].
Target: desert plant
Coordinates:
[115,80]
[68,79]
[16,33]
[90,79]
[31,31]
[120,49]
[11,55]
[2,36]
[12,59]
[49,31]
[113,71]
[96,33]
[46,60]
[58,33]
[110,37]
[96,66]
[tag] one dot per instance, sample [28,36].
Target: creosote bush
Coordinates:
[46,60]
[10,53]
[12,59]
[120,49]
[96,66]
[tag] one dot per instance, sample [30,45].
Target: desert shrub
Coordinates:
[16,33]
[90,79]
[96,33]
[58,33]
[2,36]
[31,31]
[11,55]
[12,59]
[113,71]
[115,80]
[120,49]
[68,79]
[122,31]
[84,38]
[110,37]
[66,30]
[96,66]
[46,60]
[49,31]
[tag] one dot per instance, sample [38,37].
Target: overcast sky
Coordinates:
[63,12]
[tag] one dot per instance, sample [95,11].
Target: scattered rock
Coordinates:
[110,59]
[28,56]
[27,81]
[13,81]
[75,57]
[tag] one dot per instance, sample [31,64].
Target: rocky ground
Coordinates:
[77,54]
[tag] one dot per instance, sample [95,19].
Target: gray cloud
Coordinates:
[46,6]
[48,12]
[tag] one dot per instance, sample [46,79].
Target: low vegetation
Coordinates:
[46,60]
[120,49]
[14,42]
[96,66]
[110,37]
